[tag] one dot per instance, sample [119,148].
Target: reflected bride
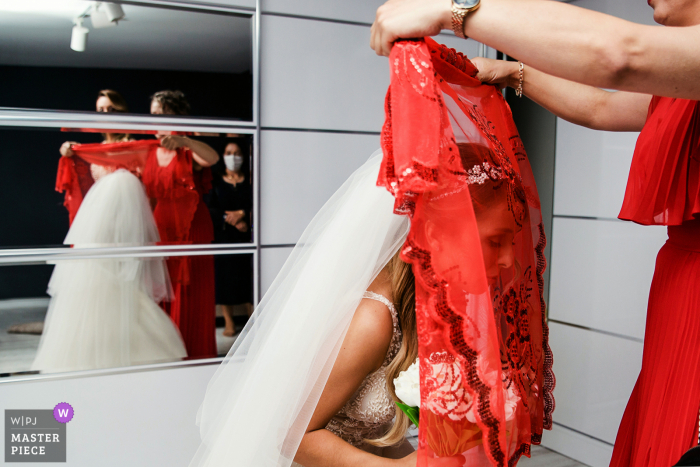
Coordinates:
[103,312]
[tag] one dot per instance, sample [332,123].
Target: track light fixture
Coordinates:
[78,39]
[102,15]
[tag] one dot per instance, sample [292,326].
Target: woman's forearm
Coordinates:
[204,154]
[586,105]
[321,448]
[561,40]
[590,47]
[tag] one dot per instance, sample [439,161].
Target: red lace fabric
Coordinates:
[74,177]
[664,182]
[456,165]
[183,218]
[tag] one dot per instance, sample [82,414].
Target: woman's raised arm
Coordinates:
[562,40]
[577,103]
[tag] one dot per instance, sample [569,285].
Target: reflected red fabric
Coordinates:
[74,178]
[663,187]
[660,421]
[183,218]
[455,163]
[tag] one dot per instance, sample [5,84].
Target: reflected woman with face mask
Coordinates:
[230,205]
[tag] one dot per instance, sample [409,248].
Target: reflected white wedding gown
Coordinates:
[104,312]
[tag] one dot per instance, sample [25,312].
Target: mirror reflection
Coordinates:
[58,54]
[114,312]
[195,189]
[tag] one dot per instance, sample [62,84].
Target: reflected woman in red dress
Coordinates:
[176,176]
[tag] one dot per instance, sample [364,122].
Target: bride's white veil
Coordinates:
[260,400]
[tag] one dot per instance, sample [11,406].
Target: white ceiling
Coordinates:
[38,33]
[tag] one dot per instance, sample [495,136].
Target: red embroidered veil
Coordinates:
[455,163]
[75,179]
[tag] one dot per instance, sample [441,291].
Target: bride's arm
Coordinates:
[362,353]
[562,40]
[577,103]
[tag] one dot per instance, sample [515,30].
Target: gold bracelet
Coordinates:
[519,89]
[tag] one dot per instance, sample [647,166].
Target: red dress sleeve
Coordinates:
[663,187]
[74,180]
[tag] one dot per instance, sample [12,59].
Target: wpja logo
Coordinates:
[37,435]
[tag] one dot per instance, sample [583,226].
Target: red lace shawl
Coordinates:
[75,179]
[177,190]
[663,187]
[485,363]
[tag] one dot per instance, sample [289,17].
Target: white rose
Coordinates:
[511,399]
[407,386]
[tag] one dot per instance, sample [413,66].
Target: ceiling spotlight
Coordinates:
[78,39]
[114,11]
[105,15]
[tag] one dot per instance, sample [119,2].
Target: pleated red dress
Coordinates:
[183,218]
[661,419]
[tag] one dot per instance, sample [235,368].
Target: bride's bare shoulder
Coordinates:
[370,332]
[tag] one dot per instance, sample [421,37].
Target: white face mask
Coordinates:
[233,162]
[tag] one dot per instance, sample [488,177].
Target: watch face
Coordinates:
[466,4]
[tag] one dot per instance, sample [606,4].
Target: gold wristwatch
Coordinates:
[460,9]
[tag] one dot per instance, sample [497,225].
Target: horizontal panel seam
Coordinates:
[590,218]
[599,331]
[321,130]
[316,18]
[583,434]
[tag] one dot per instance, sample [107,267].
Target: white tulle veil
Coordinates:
[261,399]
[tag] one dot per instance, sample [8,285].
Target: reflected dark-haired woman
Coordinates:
[108,100]
[176,176]
[230,205]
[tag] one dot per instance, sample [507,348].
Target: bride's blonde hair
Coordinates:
[404,297]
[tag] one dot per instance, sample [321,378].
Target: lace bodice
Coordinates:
[369,412]
[98,171]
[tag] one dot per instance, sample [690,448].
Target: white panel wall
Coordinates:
[361,11]
[320,75]
[595,376]
[591,170]
[323,75]
[271,261]
[301,170]
[132,419]
[601,270]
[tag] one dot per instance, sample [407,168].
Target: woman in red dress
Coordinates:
[176,176]
[586,51]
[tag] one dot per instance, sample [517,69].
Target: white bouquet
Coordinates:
[448,404]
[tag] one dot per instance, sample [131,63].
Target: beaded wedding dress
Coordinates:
[104,312]
[369,413]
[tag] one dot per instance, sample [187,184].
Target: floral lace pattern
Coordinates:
[98,171]
[368,414]
[441,118]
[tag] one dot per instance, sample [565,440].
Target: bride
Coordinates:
[104,312]
[310,380]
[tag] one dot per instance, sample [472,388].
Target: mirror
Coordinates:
[219,200]
[59,54]
[116,312]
